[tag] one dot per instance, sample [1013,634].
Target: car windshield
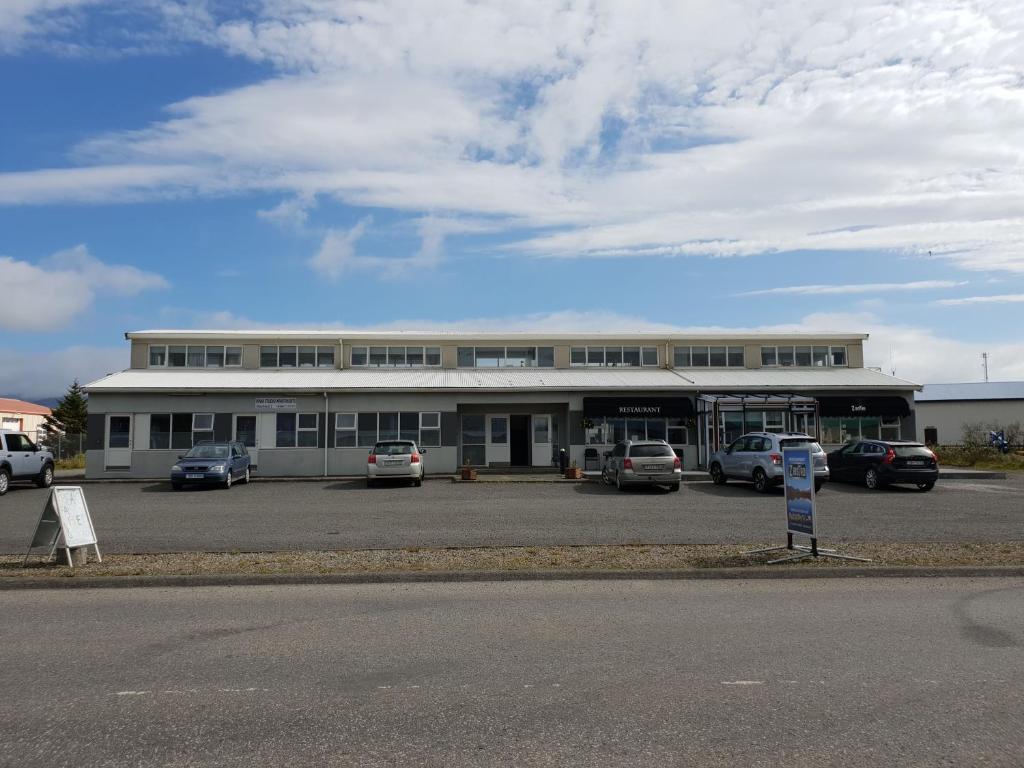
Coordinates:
[648,451]
[915,451]
[392,449]
[800,442]
[208,452]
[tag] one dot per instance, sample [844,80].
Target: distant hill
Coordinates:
[49,402]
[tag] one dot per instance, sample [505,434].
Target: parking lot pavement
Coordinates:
[150,517]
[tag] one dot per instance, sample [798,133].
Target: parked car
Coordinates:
[395,460]
[643,462]
[877,463]
[212,463]
[757,457]
[21,459]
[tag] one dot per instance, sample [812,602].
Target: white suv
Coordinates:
[21,459]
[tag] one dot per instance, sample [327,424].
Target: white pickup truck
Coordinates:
[21,459]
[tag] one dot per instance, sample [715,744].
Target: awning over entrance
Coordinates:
[637,407]
[863,406]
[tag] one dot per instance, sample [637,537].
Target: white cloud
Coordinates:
[63,286]
[1006,298]
[874,125]
[44,375]
[813,290]
[291,213]
[337,252]
[25,18]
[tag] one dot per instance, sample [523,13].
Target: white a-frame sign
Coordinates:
[65,522]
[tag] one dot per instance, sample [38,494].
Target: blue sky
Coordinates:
[183,163]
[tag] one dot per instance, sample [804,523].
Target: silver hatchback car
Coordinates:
[395,460]
[643,462]
[757,457]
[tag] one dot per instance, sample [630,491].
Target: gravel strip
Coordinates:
[579,558]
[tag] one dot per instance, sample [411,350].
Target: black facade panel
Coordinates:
[95,424]
[222,427]
[449,428]
[888,405]
[576,434]
[626,406]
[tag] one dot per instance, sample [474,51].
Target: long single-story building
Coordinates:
[314,402]
[943,410]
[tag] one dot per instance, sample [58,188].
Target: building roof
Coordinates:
[10,405]
[340,334]
[521,379]
[977,390]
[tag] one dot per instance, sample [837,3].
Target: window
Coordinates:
[309,427]
[681,357]
[505,357]
[409,426]
[157,356]
[202,427]
[378,357]
[699,356]
[414,356]
[499,430]
[285,430]
[595,356]
[735,357]
[545,357]
[838,356]
[307,357]
[676,430]
[396,358]
[786,356]
[650,356]
[268,357]
[196,357]
[430,429]
[803,356]
[490,357]
[176,356]
[160,431]
[367,431]
[819,357]
[613,357]
[215,357]
[181,430]
[344,430]
[656,429]
[717,357]
[232,357]
[631,355]
[769,356]
[358,356]
[774,421]
[387,426]
[891,428]
[392,357]
[474,438]
[578,356]
[325,357]
[521,357]
[287,357]
[433,355]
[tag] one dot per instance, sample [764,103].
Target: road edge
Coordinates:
[463,577]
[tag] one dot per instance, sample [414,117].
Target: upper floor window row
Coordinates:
[506,357]
[193,356]
[708,357]
[818,357]
[396,357]
[296,357]
[613,357]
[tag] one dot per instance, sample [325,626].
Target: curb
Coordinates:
[971,474]
[471,577]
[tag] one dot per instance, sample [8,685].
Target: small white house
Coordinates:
[943,409]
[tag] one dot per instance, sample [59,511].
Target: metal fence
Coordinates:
[62,446]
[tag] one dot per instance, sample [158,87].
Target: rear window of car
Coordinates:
[650,451]
[392,449]
[908,451]
[800,442]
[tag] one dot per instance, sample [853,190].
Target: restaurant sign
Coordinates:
[637,407]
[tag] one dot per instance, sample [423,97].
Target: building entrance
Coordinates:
[519,440]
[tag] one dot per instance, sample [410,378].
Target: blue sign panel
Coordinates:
[799,483]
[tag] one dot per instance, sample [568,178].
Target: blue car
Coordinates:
[211,463]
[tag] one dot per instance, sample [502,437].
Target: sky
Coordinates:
[687,165]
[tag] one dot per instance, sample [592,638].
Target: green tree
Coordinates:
[71,414]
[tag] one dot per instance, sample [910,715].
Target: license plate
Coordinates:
[652,467]
[915,463]
[394,462]
[193,477]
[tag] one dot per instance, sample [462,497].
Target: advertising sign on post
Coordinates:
[798,467]
[65,522]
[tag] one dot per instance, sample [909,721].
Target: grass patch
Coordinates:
[73,462]
[979,457]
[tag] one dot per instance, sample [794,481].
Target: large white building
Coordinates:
[943,410]
[314,402]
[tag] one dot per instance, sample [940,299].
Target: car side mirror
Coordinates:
[423,450]
[180,458]
[36,449]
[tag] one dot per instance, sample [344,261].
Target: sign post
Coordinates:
[801,506]
[65,522]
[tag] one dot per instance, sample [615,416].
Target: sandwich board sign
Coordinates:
[798,473]
[65,522]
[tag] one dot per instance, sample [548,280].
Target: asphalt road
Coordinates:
[341,515]
[877,672]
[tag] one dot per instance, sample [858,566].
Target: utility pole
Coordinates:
[984,364]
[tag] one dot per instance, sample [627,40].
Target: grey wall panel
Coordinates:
[222,426]
[576,434]
[294,462]
[95,424]
[449,428]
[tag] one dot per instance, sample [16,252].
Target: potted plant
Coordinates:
[573,472]
[468,472]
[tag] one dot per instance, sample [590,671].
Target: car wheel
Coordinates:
[818,486]
[245,477]
[676,486]
[925,486]
[871,480]
[418,482]
[618,481]
[369,483]
[605,477]
[227,481]
[45,479]
[760,481]
[175,486]
[717,475]
[5,481]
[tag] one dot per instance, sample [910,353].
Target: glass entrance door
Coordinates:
[117,454]
[246,433]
